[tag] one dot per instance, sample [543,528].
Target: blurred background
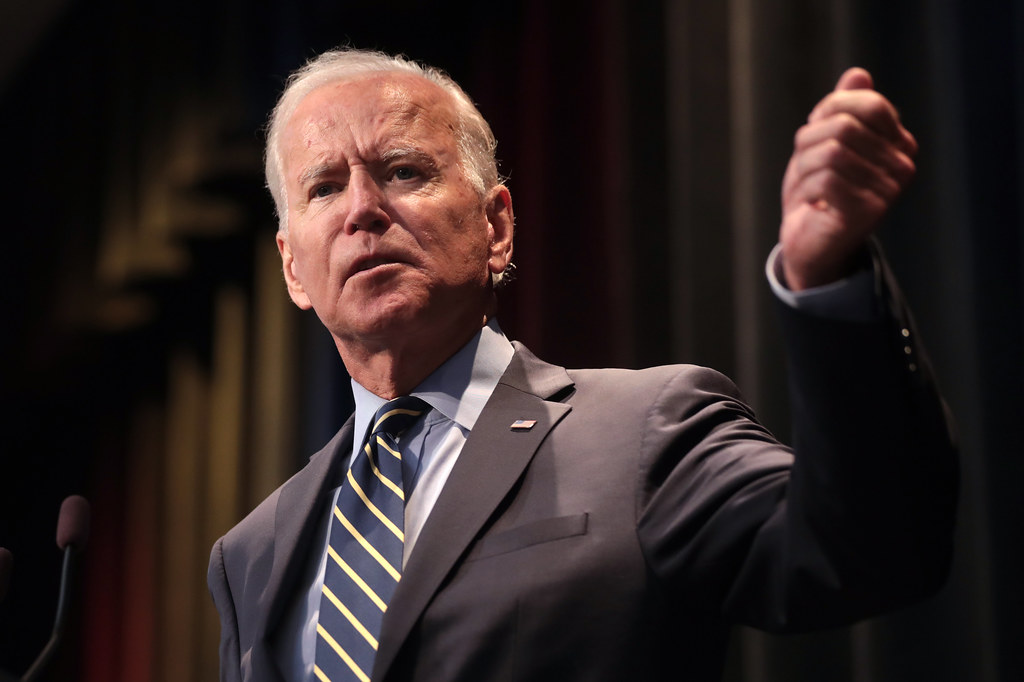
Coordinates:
[152,362]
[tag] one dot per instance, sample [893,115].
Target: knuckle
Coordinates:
[848,126]
[831,181]
[889,187]
[801,135]
[833,151]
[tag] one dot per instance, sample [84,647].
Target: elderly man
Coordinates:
[488,516]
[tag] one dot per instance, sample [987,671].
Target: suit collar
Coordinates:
[530,374]
[296,517]
[492,460]
[458,389]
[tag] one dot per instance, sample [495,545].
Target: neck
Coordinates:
[396,368]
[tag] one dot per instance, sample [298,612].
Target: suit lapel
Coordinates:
[296,517]
[492,460]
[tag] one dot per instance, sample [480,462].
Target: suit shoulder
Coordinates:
[658,401]
[257,525]
[651,383]
[257,528]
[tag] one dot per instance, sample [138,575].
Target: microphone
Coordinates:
[73,523]
[72,534]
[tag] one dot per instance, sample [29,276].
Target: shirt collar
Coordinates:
[459,388]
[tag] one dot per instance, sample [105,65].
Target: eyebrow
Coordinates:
[322,169]
[314,172]
[402,152]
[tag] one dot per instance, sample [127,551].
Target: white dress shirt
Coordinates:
[456,392]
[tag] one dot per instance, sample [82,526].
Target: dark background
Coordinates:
[151,361]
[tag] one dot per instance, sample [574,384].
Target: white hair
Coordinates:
[475,141]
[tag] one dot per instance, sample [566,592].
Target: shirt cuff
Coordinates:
[853,299]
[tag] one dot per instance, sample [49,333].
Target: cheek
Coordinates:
[467,246]
[469,231]
[311,262]
[300,259]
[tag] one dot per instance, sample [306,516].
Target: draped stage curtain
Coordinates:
[153,362]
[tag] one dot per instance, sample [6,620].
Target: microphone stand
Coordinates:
[63,599]
[72,534]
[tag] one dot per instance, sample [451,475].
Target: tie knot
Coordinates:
[395,416]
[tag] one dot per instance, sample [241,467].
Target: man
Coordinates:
[581,524]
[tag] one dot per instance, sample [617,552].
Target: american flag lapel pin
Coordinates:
[523,424]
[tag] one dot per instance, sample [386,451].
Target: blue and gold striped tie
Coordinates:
[364,561]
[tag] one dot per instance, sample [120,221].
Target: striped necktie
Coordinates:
[365,549]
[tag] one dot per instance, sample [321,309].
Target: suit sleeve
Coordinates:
[857,519]
[217,581]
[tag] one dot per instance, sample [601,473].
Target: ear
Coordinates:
[295,289]
[500,226]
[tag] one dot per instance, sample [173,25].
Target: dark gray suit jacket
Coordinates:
[643,514]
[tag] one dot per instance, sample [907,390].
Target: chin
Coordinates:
[384,318]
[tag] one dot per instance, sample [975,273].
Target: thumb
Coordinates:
[855,78]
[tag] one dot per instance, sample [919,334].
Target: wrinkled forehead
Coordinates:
[389,101]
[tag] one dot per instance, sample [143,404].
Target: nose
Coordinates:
[366,204]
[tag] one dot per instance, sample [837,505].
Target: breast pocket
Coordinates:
[528,535]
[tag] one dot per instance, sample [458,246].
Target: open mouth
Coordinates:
[372,263]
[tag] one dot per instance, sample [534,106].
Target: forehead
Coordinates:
[370,107]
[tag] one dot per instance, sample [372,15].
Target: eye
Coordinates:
[321,191]
[405,173]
